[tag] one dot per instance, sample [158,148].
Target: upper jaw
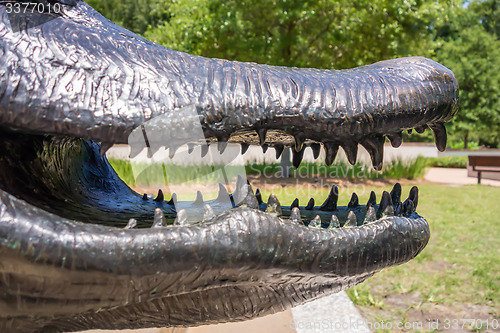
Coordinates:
[106,90]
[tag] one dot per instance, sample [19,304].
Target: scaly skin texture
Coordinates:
[70,257]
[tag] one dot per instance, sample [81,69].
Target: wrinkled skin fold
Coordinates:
[79,249]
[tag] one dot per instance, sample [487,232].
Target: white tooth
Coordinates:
[334,222]
[159,219]
[132,223]
[351,220]
[371,215]
[208,213]
[315,222]
[181,218]
[295,215]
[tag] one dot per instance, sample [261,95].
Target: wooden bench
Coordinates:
[484,163]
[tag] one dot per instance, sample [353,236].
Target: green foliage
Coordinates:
[446,162]
[470,46]
[323,34]
[135,15]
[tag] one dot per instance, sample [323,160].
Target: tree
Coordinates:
[322,33]
[135,15]
[469,45]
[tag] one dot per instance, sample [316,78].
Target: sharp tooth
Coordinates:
[159,197]
[244,148]
[105,147]
[351,151]
[240,191]
[199,198]
[159,219]
[297,157]
[295,203]
[279,150]
[351,221]
[396,193]
[421,129]
[371,215]
[414,196]
[262,132]
[190,148]
[388,211]
[135,150]
[273,205]
[310,204]
[171,151]
[299,142]
[315,222]
[132,223]
[295,215]
[153,150]
[396,139]
[375,147]
[330,203]
[264,148]
[208,213]
[331,150]
[334,222]
[222,144]
[354,201]
[173,200]
[149,152]
[372,200]
[223,194]
[181,218]
[398,208]
[250,200]
[439,135]
[385,207]
[316,149]
[204,149]
[145,197]
[258,196]
[408,207]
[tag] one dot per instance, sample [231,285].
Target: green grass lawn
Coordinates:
[457,274]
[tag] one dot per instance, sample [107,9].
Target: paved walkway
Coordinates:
[331,314]
[455,177]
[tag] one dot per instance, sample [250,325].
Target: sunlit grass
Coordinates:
[460,264]
[147,174]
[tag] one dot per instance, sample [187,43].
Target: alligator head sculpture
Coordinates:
[70,257]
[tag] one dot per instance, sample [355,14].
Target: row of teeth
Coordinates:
[373,144]
[390,205]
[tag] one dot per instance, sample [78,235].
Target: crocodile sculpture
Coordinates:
[79,249]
